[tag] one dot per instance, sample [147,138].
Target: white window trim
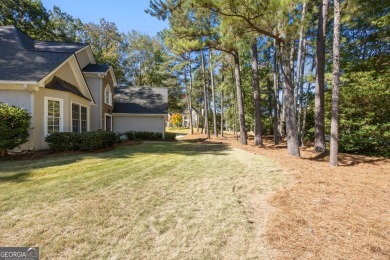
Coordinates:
[105,128]
[46,99]
[71,115]
[109,96]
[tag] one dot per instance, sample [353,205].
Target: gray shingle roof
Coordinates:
[58,46]
[23,59]
[62,85]
[102,68]
[141,100]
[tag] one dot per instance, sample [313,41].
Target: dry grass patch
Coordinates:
[152,201]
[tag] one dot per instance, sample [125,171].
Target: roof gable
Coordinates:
[62,85]
[23,59]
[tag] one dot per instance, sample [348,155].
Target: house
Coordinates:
[59,84]
[140,109]
[186,118]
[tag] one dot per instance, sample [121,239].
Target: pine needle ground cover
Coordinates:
[327,212]
[151,201]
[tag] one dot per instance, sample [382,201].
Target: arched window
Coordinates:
[107,95]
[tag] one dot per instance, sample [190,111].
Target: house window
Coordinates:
[107,95]
[53,115]
[75,118]
[79,118]
[84,120]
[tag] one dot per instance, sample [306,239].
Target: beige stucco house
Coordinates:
[60,84]
[65,90]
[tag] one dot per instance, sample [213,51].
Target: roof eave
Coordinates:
[18,82]
[139,114]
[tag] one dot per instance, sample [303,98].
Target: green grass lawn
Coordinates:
[152,201]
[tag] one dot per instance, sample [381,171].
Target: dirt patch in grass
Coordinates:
[327,212]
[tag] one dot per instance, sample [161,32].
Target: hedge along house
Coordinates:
[59,84]
[140,109]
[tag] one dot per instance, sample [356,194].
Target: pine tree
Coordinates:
[334,132]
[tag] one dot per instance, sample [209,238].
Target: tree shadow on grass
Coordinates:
[166,148]
[18,177]
[21,170]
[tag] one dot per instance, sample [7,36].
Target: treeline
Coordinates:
[286,68]
[261,66]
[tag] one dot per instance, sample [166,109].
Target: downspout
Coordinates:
[163,132]
[32,100]
[101,103]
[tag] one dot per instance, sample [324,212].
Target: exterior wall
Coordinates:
[19,98]
[39,108]
[139,123]
[22,99]
[106,108]
[94,84]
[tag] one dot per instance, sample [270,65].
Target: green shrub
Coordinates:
[90,141]
[14,124]
[170,136]
[134,135]
[66,141]
[121,137]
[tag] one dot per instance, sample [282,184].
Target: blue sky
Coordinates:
[126,14]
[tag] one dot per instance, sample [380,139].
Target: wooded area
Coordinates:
[300,70]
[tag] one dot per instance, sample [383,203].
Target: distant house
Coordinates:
[65,90]
[140,109]
[195,118]
[186,118]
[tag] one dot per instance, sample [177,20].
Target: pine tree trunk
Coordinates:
[319,112]
[288,100]
[282,110]
[305,105]
[198,121]
[190,98]
[301,70]
[270,95]
[213,94]
[304,116]
[188,94]
[222,111]
[300,58]
[334,129]
[234,115]
[240,103]
[282,122]
[256,93]
[206,120]
[276,97]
